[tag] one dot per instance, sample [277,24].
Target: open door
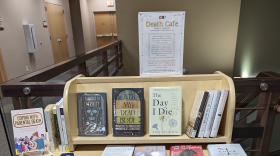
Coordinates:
[105,27]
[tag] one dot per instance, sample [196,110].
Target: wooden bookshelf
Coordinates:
[190,85]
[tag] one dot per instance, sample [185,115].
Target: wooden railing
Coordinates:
[35,83]
[267,86]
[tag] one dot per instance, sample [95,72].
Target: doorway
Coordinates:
[105,27]
[58,36]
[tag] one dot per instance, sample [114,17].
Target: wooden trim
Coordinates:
[3,73]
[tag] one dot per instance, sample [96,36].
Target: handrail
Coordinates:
[36,80]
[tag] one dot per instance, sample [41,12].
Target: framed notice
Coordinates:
[161,43]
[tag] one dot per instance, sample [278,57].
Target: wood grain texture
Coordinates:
[3,75]
[190,85]
[57,31]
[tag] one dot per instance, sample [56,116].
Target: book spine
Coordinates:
[205,115]
[60,126]
[219,113]
[199,115]
[64,131]
[50,130]
[213,110]
[57,129]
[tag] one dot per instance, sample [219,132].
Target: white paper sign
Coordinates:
[161,43]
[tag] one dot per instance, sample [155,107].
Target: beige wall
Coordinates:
[15,13]
[210,32]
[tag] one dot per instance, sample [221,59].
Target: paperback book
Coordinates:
[118,150]
[165,112]
[29,130]
[186,150]
[128,111]
[50,123]
[196,113]
[92,114]
[149,151]
[225,150]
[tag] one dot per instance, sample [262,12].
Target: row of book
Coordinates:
[175,150]
[55,122]
[165,112]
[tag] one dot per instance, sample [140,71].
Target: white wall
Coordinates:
[15,13]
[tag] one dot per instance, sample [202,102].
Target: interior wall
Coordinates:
[210,32]
[68,25]
[258,47]
[86,25]
[15,13]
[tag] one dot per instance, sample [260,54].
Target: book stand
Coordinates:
[190,85]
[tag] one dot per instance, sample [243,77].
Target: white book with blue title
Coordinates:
[118,150]
[165,110]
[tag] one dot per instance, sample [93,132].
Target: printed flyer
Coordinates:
[161,43]
[29,130]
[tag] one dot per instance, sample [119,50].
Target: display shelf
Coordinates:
[110,139]
[190,85]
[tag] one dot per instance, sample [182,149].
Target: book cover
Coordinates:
[213,110]
[128,111]
[219,113]
[92,114]
[58,105]
[29,130]
[149,151]
[205,115]
[186,150]
[51,127]
[57,128]
[66,144]
[118,150]
[196,113]
[165,110]
[225,149]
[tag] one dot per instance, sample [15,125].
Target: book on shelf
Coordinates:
[165,110]
[196,113]
[219,113]
[66,144]
[225,149]
[92,114]
[149,151]
[212,113]
[118,150]
[128,111]
[205,115]
[186,150]
[29,130]
[50,123]
[57,128]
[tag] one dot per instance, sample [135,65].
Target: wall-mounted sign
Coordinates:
[45,24]
[110,3]
[161,43]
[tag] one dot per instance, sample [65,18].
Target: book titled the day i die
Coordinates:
[118,150]
[92,114]
[165,110]
[29,130]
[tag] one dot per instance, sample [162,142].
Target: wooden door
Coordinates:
[105,27]
[3,75]
[55,15]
